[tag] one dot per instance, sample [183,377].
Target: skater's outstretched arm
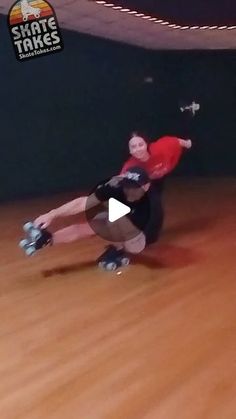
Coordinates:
[74,207]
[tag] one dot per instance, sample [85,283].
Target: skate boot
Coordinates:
[27,10]
[36,239]
[112,259]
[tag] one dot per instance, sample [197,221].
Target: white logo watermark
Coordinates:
[34,30]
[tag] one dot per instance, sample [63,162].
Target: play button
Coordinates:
[116,210]
[110,213]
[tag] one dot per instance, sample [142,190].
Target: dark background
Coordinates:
[66,117]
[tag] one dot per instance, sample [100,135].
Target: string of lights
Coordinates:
[158,21]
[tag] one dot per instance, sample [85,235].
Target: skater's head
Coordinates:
[138,147]
[135,184]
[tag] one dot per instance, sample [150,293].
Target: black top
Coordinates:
[146,214]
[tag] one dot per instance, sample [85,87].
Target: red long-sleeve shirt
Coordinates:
[165,154]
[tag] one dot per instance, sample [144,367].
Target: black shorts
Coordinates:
[159,185]
[153,230]
[153,227]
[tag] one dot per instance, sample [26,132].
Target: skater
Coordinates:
[158,158]
[128,235]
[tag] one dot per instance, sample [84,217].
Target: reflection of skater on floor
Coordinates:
[28,10]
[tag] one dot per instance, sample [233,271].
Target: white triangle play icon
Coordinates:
[116,210]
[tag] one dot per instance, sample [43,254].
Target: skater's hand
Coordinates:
[43,221]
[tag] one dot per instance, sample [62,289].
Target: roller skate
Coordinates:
[27,10]
[112,259]
[36,239]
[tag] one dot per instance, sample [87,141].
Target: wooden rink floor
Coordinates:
[157,341]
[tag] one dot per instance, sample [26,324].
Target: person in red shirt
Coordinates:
[158,158]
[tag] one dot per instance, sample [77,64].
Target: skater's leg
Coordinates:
[131,241]
[72,233]
[136,245]
[122,233]
[84,230]
[130,238]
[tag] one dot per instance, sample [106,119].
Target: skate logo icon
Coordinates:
[27,10]
[34,29]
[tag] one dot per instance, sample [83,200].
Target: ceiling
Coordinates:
[102,20]
[185,12]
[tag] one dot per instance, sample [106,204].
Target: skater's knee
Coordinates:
[102,216]
[136,244]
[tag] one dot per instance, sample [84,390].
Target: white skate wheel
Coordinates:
[35,234]
[102,265]
[28,226]
[23,243]
[112,266]
[30,251]
[125,261]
